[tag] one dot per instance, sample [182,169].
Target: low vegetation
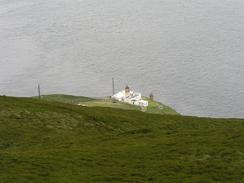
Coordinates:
[43,141]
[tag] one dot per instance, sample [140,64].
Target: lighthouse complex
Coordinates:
[130,97]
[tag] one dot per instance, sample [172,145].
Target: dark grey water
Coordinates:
[190,53]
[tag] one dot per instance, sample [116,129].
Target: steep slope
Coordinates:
[43,141]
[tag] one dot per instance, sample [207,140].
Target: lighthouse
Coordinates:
[131,97]
[151,96]
[127,91]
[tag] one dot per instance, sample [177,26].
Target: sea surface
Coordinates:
[189,53]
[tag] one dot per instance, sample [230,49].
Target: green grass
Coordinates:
[70,99]
[110,103]
[159,108]
[154,106]
[43,141]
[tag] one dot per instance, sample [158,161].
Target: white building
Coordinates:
[130,97]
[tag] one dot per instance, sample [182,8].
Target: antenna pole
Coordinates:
[39,91]
[113,85]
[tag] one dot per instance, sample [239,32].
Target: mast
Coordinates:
[39,91]
[113,90]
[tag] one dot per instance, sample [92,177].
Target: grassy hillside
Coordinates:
[42,141]
[159,108]
[70,99]
[154,106]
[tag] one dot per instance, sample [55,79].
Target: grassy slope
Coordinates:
[42,141]
[159,108]
[154,107]
[70,99]
[110,103]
